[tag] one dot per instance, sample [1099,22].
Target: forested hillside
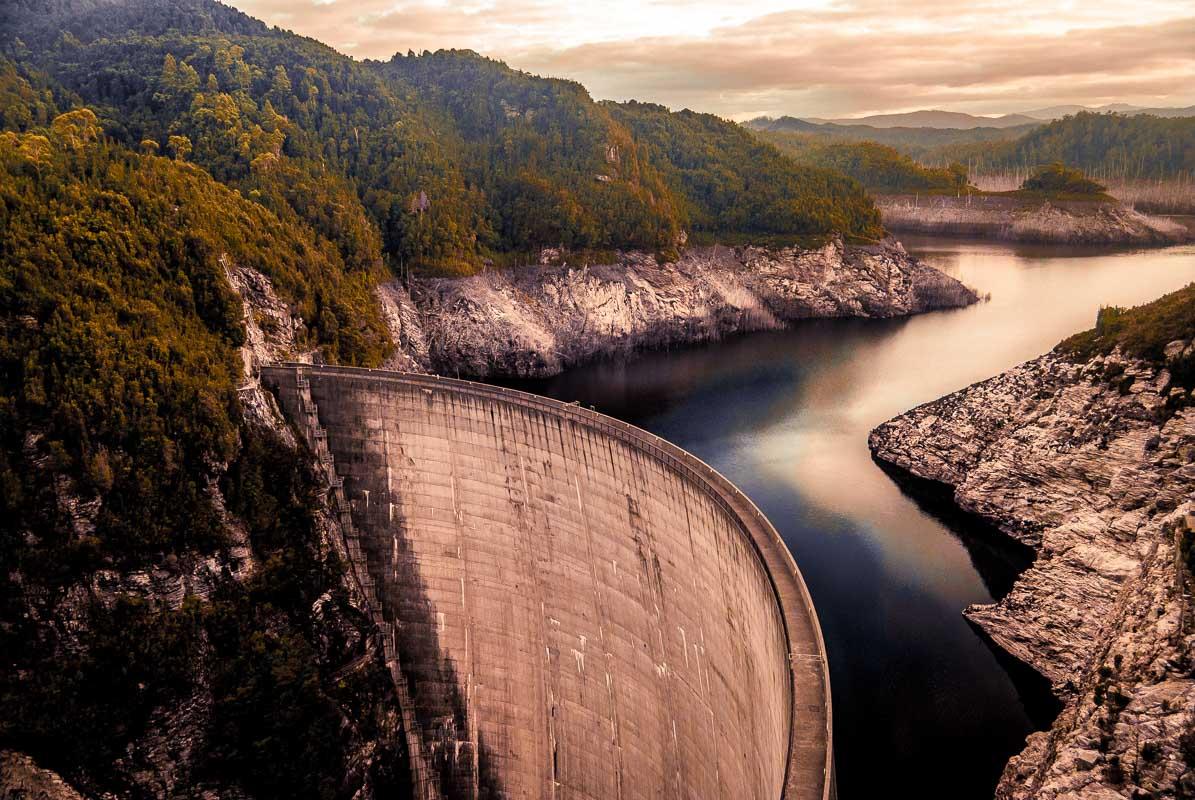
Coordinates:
[125,461]
[882,169]
[171,608]
[919,143]
[553,166]
[730,183]
[438,161]
[1109,147]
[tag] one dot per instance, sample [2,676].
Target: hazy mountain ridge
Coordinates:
[956,120]
[931,118]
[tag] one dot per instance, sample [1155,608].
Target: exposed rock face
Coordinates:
[1091,466]
[22,779]
[531,321]
[538,320]
[1015,219]
[406,329]
[272,330]
[167,758]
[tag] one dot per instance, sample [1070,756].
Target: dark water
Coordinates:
[922,706]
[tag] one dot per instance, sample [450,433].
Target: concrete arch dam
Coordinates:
[570,606]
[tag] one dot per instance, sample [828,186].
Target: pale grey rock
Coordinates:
[22,779]
[1093,473]
[406,329]
[538,320]
[1021,220]
[274,332]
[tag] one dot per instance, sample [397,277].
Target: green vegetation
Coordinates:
[145,148]
[1062,182]
[437,162]
[924,144]
[880,168]
[118,421]
[1146,160]
[552,166]
[1143,332]
[1109,147]
[729,183]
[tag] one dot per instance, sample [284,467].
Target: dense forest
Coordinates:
[1109,147]
[728,182]
[119,425]
[880,168]
[920,143]
[439,161]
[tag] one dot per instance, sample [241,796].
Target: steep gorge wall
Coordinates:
[575,608]
[1092,465]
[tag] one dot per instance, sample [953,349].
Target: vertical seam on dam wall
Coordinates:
[577,437]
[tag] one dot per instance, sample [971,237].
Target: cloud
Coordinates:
[827,59]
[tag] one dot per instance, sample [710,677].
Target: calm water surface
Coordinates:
[922,706]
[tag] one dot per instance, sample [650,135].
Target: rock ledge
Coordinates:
[1092,465]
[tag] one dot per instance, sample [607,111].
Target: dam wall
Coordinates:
[571,607]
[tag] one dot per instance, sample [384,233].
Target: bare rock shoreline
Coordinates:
[1020,220]
[1092,466]
[536,321]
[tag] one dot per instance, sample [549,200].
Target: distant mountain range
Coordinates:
[956,120]
[931,119]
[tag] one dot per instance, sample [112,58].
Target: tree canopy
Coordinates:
[1059,180]
[727,182]
[1108,146]
[147,147]
[880,168]
[436,161]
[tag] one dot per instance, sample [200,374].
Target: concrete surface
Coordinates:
[573,607]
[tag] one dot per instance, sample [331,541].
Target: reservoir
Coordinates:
[923,707]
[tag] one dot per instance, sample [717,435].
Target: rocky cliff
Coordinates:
[1092,465]
[211,607]
[1019,220]
[538,320]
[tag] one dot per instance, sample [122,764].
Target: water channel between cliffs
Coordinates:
[923,707]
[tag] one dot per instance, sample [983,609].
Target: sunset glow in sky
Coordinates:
[807,58]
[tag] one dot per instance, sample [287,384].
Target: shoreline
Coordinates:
[1014,219]
[1092,477]
[537,321]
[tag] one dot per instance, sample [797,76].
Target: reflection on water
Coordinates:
[919,699]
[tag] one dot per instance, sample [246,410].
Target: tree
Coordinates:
[76,129]
[37,151]
[1059,179]
[180,147]
[280,87]
[176,80]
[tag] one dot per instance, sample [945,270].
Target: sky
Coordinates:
[807,58]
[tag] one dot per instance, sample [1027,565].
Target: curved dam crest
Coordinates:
[570,606]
